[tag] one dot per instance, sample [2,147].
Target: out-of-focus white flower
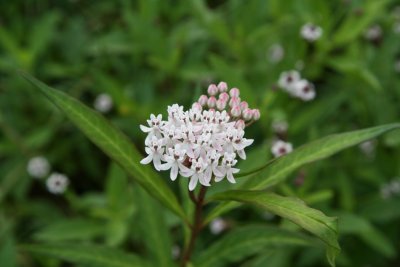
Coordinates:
[391,188]
[280,126]
[287,79]
[368,148]
[175,252]
[396,27]
[201,144]
[397,65]
[276,53]
[280,148]
[291,82]
[217,226]
[38,167]
[57,183]
[304,90]
[311,32]
[373,33]
[103,103]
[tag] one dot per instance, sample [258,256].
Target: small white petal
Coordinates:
[174,172]
[145,129]
[193,182]
[147,159]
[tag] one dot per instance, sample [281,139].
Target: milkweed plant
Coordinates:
[200,148]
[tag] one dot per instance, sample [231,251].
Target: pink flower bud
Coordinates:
[256,114]
[223,87]
[247,114]
[235,101]
[235,111]
[197,106]
[240,124]
[221,104]
[212,101]
[203,100]
[234,92]
[224,96]
[244,105]
[212,89]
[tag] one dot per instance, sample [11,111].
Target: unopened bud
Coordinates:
[234,92]
[223,87]
[224,96]
[240,124]
[235,101]
[235,111]
[243,105]
[221,104]
[203,100]
[212,101]
[256,114]
[212,89]
[247,114]
[197,106]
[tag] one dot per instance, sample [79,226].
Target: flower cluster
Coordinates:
[39,167]
[291,82]
[203,142]
[311,32]
[57,183]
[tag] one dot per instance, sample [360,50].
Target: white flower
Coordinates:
[227,168]
[57,183]
[280,148]
[291,82]
[276,53]
[38,167]
[217,226]
[280,126]
[287,79]
[304,90]
[103,103]
[175,159]
[200,144]
[373,33]
[154,150]
[311,32]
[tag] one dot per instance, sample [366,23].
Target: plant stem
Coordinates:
[197,225]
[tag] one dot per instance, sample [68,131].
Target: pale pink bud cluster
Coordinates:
[201,143]
[291,82]
[221,98]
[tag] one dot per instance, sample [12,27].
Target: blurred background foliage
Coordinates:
[149,54]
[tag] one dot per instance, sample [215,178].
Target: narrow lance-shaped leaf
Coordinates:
[280,168]
[246,241]
[112,141]
[294,210]
[87,255]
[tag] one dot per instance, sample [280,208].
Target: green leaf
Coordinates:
[153,229]
[294,210]
[354,25]
[74,229]
[87,255]
[114,143]
[246,241]
[279,169]
[355,224]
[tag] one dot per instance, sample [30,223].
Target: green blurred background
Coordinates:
[149,54]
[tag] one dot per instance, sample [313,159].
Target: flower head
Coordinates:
[311,32]
[280,148]
[57,183]
[201,144]
[103,103]
[38,167]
